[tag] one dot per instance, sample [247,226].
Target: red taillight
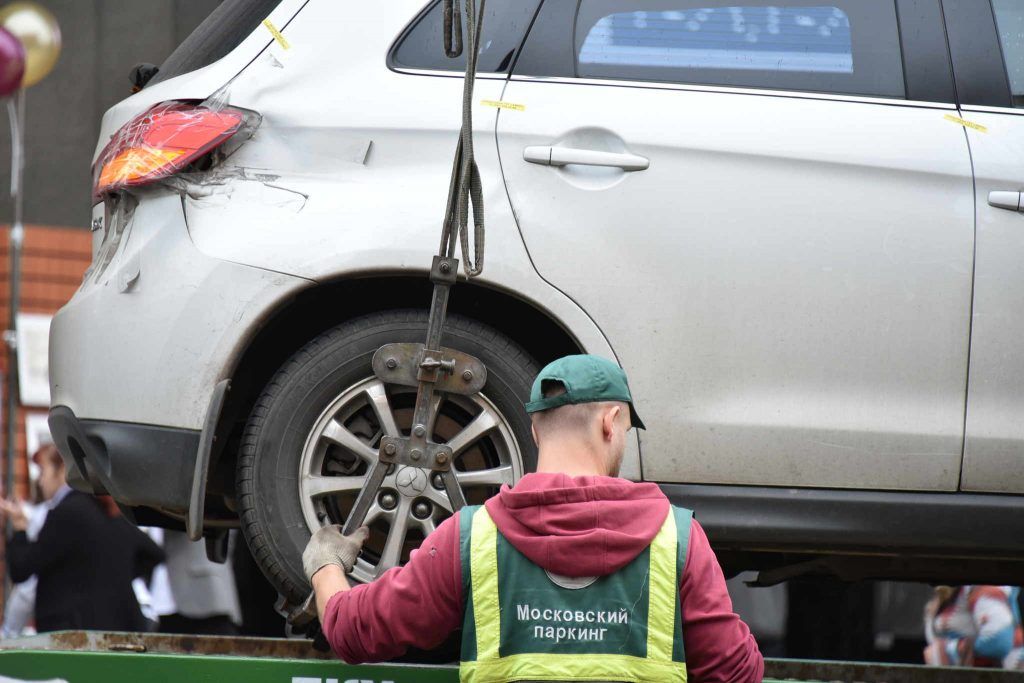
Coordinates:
[162,142]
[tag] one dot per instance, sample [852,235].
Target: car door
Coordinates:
[987,44]
[766,209]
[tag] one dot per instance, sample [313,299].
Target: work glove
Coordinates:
[329,546]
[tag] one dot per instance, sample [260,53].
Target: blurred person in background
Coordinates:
[84,557]
[977,626]
[190,593]
[21,601]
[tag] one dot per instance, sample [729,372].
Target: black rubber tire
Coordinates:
[272,444]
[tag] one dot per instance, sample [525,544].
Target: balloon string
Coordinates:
[12,116]
[15,113]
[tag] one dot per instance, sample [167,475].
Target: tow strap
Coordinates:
[465,186]
[429,367]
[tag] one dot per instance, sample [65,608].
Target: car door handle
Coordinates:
[1005,200]
[562,156]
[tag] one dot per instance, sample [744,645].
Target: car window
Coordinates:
[421,46]
[841,46]
[1010,24]
[220,33]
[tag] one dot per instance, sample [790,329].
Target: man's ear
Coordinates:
[533,431]
[608,422]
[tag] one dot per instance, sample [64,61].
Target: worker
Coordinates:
[572,574]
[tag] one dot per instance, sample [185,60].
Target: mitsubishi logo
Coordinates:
[411,481]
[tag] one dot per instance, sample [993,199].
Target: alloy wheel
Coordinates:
[342,446]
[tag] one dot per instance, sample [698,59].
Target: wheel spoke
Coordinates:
[316,485]
[439,498]
[428,525]
[374,513]
[382,408]
[336,432]
[481,424]
[494,476]
[391,555]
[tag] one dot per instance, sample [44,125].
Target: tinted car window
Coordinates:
[839,46]
[421,46]
[1010,23]
[220,33]
[749,38]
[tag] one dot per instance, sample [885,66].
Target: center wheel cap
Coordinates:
[411,481]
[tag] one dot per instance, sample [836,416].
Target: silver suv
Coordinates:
[796,225]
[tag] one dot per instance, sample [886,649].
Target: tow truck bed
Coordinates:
[98,657]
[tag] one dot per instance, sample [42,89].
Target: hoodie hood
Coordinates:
[579,526]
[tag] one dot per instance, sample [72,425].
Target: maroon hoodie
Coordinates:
[574,526]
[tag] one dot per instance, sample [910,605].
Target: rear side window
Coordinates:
[421,45]
[220,33]
[735,38]
[838,46]
[1010,24]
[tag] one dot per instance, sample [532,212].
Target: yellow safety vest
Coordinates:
[522,623]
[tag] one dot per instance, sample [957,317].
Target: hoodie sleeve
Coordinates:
[719,646]
[417,605]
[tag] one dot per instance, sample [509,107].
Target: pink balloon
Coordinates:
[12,62]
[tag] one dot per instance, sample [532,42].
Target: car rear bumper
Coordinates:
[139,465]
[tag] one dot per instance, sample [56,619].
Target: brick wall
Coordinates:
[53,262]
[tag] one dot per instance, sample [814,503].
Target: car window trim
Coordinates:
[540,54]
[979,70]
[389,58]
[440,73]
[734,90]
[394,66]
[984,109]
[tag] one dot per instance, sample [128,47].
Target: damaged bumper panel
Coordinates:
[123,460]
[169,335]
[168,322]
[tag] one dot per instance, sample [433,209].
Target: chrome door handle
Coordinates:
[1005,200]
[562,156]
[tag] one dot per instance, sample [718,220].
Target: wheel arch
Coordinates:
[318,308]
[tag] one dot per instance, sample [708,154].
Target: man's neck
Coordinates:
[570,460]
[59,495]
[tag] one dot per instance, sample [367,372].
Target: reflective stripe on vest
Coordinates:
[552,638]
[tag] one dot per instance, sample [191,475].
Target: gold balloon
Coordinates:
[38,31]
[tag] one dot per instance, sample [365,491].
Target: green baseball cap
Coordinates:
[587,379]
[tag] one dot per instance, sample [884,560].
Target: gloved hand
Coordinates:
[329,546]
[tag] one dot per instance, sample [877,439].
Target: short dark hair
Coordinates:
[48,454]
[570,417]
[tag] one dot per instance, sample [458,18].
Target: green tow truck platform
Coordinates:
[97,657]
